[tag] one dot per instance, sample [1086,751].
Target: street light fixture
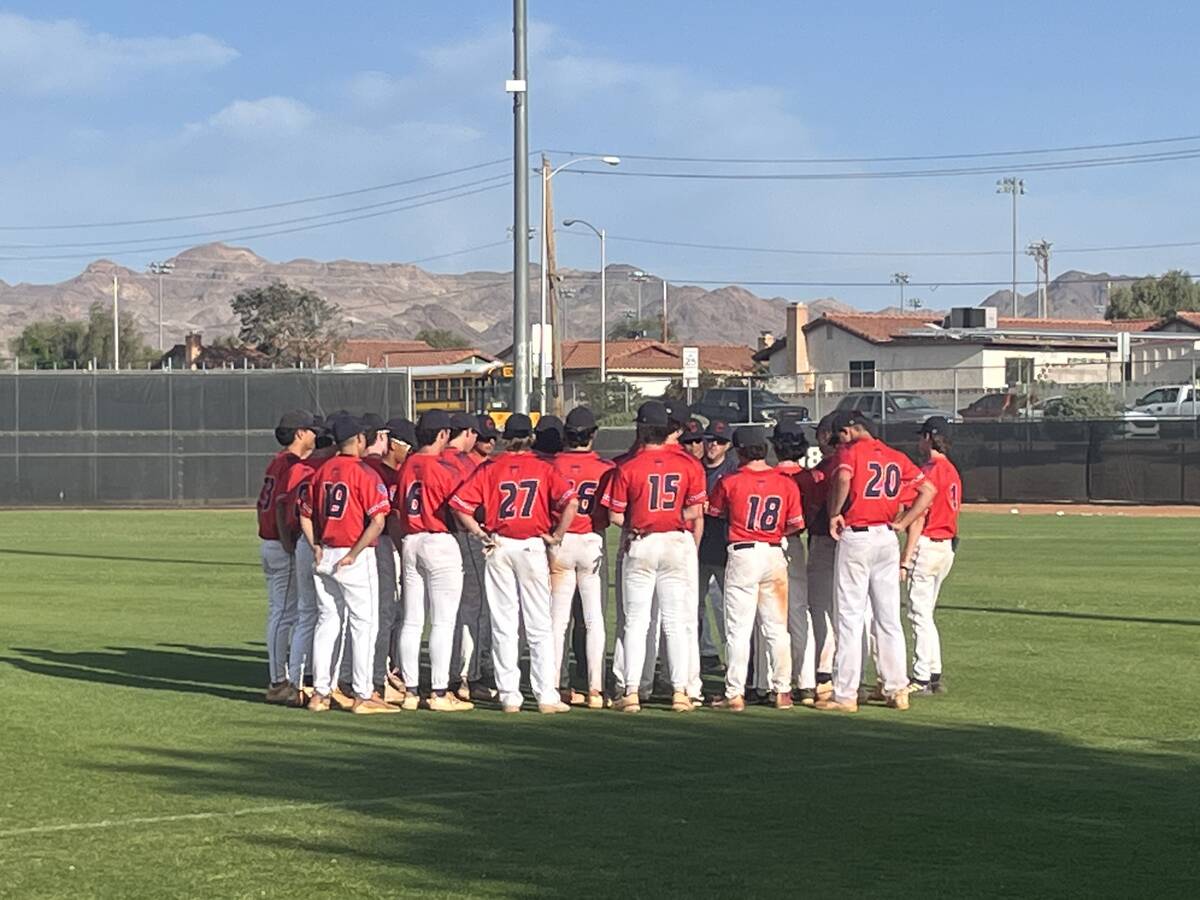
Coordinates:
[1016,187]
[599,232]
[900,278]
[160,269]
[547,227]
[640,277]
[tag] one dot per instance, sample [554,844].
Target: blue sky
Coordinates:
[141,110]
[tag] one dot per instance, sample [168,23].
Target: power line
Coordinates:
[259,208]
[816,160]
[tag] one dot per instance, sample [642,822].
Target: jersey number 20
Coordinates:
[884,481]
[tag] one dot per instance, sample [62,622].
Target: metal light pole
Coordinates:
[518,87]
[1040,251]
[599,232]
[664,328]
[1016,187]
[160,269]
[900,278]
[116,328]
[545,228]
[639,276]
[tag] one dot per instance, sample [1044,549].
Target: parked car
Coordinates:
[733,405]
[1170,402]
[1130,423]
[1003,405]
[894,406]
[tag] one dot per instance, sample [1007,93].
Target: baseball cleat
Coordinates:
[572,697]
[877,693]
[392,694]
[371,707]
[937,687]
[549,709]
[280,692]
[920,688]
[411,701]
[595,700]
[340,699]
[681,702]
[318,703]
[449,702]
[804,696]
[628,704]
[832,704]
[300,697]
[783,700]
[898,699]
[480,691]
[824,690]
[511,708]
[730,704]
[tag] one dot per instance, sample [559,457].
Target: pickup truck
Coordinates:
[894,406]
[1175,401]
[733,405]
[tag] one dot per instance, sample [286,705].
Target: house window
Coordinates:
[862,373]
[1018,370]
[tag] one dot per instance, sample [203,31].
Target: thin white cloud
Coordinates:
[267,115]
[40,57]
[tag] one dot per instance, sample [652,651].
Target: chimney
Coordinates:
[765,340]
[797,347]
[191,350]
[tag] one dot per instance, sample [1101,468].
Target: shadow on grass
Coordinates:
[54,554]
[598,804]
[239,677]
[1065,614]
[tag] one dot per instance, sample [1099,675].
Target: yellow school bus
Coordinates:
[484,387]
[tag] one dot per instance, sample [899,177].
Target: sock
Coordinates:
[935,677]
[824,678]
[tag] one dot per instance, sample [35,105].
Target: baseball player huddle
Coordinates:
[371,531]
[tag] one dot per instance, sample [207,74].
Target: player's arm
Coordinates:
[925,494]
[616,497]
[310,535]
[694,515]
[281,523]
[564,522]
[395,528]
[909,551]
[370,534]
[464,502]
[793,510]
[839,490]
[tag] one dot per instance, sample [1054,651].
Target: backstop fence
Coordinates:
[182,438]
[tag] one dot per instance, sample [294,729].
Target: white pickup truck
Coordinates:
[1175,401]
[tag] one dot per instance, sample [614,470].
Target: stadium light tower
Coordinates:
[160,269]
[1016,187]
[900,278]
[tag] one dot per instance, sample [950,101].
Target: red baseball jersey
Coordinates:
[519,493]
[386,473]
[299,480]
[425,484]
[759,504]
[654,487]
[879,476]
[941,520]
[273,485]
[587,474]
[345,494]
[460,461]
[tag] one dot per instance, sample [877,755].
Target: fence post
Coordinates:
[626,388]
[246,430]
[955,373]
[17,422]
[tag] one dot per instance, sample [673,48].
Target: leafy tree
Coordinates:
[1153,298]
[289,325]
[98,340]
[443,339]
[64,342]
[632,329]
[1091,401]
[676,391]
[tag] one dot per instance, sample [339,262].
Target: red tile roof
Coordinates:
[882,329]
[1187,318]
[655,356]
[403,353]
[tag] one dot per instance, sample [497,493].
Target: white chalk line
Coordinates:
[411,798]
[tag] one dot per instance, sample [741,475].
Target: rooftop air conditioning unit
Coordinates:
[972,317]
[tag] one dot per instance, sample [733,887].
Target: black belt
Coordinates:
[861,528]
[747,545]
[939,540]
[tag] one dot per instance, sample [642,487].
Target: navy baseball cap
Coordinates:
[434,420]
[581,419]
[518,426]
[789,432]
[846,418]
[345,427]
[693,432]
[719,431]
[652,412]
[300,418]
[486,428]
[460,421]
[934,425]
[549,423]
[749,436]
[677,411]
[402,430]
[373,422]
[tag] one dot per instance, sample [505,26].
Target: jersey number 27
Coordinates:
[512,491]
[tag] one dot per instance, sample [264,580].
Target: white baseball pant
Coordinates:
[662,565]
[280,570]
[433,574]
[300,655]
[695,683]
[799,619]
[822,550]
[473,630]
[756,592]
[579,562]
[712,632]
[518,593]
[387,564]
[867,570]
[353,590]
[653,634]
[931,565]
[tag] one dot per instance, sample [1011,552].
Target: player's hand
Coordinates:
[346,561]
[488,541]
[551,540]
[905,572]
[836,526]
[316,555]
[898,526]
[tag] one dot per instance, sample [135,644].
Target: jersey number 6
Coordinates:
[412,499]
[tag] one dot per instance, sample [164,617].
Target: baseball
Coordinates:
[1015,511]
[1060,513]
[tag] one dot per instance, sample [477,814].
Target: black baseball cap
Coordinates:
[402,430]
[581,419]
[549,423]
[460,421]
[486,428]
[846,418]
[677,412]
[300,418]
[934,425]
[789,432]
[345,427]
[719,430]
[749,436]
[373,422]
[434,420]
[652,412]
[518,425]
[693,432]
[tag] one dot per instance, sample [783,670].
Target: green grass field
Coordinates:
[138,760]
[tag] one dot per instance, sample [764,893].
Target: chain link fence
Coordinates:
[183,438]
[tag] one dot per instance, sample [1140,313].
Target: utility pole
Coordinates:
[664,328]
[116,328]
[900,278]
[1040,251]
[518,87]
[160,269]
[1016,187]
[639,276]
